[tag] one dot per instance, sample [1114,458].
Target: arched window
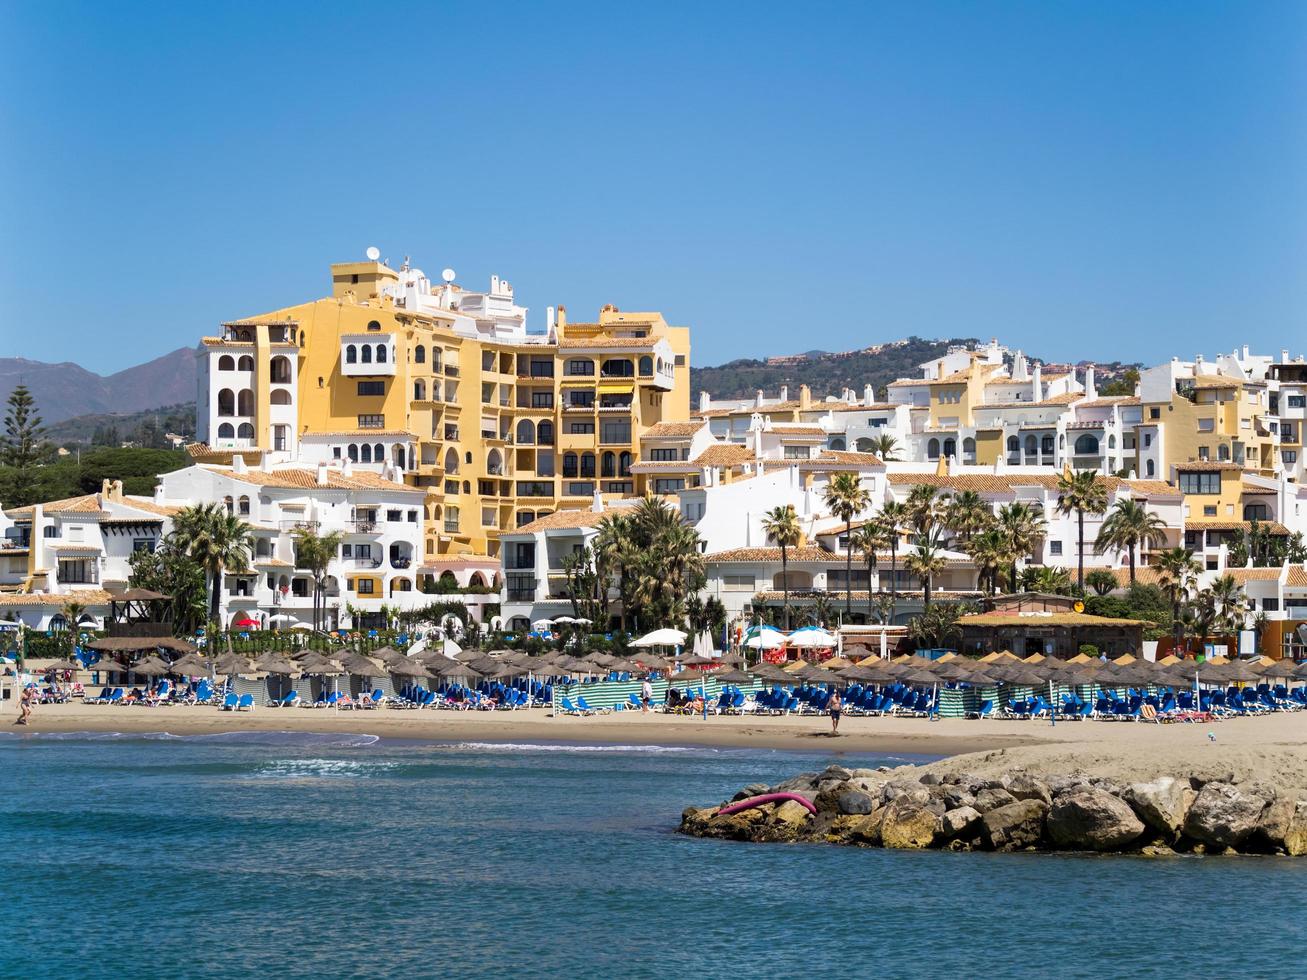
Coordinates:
[226,363]
[419,391]
[1111,442]
[365,354]
[280,396]
[588,465]
[51,531]
[226,402]
[230,504]
[1150,468]
[419,354]
[1032,445]
[353,452]
[245,431]
[646,366]
[467,457]
[243,506]
[373,326]
[570,468]
[950,448]
[932,449]
[495,463]
[1013,444]
[609,466]
[381,353]
[379,453]
[351,354]
[526,432]
[226,431]
[451,460]
[545,433]
[397,455]
[837,444]
[365,453]
[245,402]
[1046,445]
[624,464]
[1256,512]
[1087,445]
[968,450]
[279,370]
[1223,453]
[246,363]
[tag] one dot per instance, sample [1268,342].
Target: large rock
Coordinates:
[855,802]
[1272,828]
[955,797]
[1094,820]
[1162,804]
[909,788]
[750,791]
[1295,837]
[1015,825]
[863,830]
[991,798]
[909,824]
[960,822]
[791,813]
[1223,815]
[1024,786]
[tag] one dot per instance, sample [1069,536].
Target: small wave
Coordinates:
[555,747]
[321,769]
[324,740]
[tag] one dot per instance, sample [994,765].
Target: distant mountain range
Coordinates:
[65,390]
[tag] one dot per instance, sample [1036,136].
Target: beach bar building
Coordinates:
[1033,622]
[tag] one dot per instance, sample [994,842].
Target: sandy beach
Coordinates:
[1275,745]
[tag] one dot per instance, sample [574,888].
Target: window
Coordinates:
[588,464]
[680,360]
[419,354]
[1055,547]
[1209,510]
[932,449]
[663,455]
[367,388]
[797,452]
[542,399]
[580,399]
[1290,456]
[581,428]
[618,368]
[615,432]
[366,354]
[373,326]
[737,583]
[569,465]
[142,544]
[1204,453]
[1206,425]
[365,586]
[226,363]
[372,421]
[51,531]
[581,367]
[646,366]
[245,431]
[1297,401]
[1087,445]
[351,354]
[394,515]
[1154,413]
[1200,482]
[226,431]
[669,485]
[243,506]
[542,369]
[381,353]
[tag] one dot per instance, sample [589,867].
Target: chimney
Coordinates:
[347,467]
[1037,385]
[238,463]
[805,396]
[785,393]
[562,317]
[868,395]
[757,398]
[1091,391]
[549,317]
[1284,355]
[705,401]
[597,502]
[1245,352]
[322,474]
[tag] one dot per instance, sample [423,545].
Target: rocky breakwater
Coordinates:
[1016,811]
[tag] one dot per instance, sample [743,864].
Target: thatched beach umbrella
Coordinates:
[273,662]
[192,665]
[65,663]
[734,677]
[1281,669]
[770,672]
[353,662]
[150,667]
[233,663]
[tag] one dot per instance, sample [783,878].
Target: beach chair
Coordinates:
[568,708]
[229,703]
[580,703]
[245,702]
[985,710]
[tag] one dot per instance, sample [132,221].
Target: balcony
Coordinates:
[364,563]
[299,525]
[451,370]
[363,526]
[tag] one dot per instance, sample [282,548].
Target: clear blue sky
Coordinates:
[1082,179]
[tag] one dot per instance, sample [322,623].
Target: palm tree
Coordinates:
[847,497]
[885,446]
[1021,525]
[1101,581]
[967,514]
[989,552]
[316,552]
[868,539]
[217,541]
[1177,571]
[923,506]
[926,560]
[1128,527]
[72,612]
[894,519]
[1081,493]
[614,554]
[781,524]
[1230,603]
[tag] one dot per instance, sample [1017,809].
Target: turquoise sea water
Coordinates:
[317,855]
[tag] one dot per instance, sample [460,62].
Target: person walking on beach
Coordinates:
[646,695]
[25,705]
[836,708]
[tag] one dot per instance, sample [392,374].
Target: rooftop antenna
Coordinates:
[373,253]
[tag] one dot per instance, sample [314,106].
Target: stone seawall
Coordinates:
[1018,810]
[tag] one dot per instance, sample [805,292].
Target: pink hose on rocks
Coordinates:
[754,801]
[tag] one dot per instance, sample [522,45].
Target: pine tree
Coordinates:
[22,444]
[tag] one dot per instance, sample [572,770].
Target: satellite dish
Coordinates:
[447,275]
[373,253]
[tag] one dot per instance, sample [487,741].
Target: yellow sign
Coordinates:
[1079,606]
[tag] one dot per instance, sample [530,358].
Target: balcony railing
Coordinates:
[298,525]
[451,370]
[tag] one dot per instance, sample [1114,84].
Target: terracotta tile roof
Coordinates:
[1153,488]
[88,597]
[86,504]
[671,430]
[1109,400]
[839,459]
[792,429]
[1254,574]
[751,409]
[201,453]
[1064,399]
[308,480]
[272,563]
[1005,483]
[800,554]
[852,407]
[1199,524]
[1216,381]
[1297,576]
[598,343]
[1257,489]
[1206,466]
[1144,575]
[219,342]
[443,562]
[1045,619]
[561,520]
[956,378]
[723,455]
[361,433]
[149,506]
[664,466]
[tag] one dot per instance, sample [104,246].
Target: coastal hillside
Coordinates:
[147,428]
[65,389]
